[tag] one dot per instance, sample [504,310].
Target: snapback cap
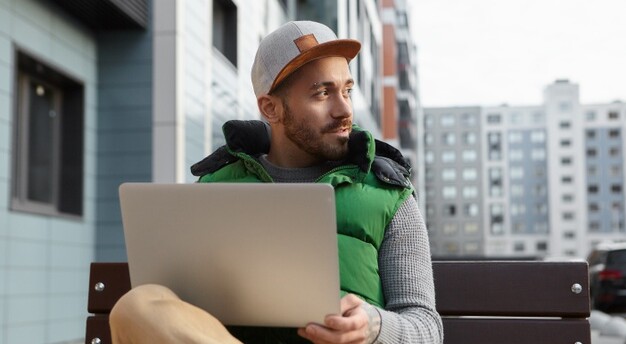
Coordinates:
[292,46]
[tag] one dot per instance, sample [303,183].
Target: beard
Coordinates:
[310,140]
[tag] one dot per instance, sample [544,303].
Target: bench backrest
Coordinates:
[483,302]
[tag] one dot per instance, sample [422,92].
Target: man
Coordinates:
[302,83]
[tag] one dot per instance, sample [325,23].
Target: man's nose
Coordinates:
[342,107]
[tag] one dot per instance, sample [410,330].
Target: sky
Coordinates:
[491,52]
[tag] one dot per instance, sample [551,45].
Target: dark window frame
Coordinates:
[58,191]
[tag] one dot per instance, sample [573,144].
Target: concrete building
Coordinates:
[94,93]
[453,178]
[552,177]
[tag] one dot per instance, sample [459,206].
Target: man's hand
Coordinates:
[351,326]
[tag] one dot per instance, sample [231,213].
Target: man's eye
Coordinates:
[348,92]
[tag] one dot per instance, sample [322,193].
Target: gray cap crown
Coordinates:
[290,47]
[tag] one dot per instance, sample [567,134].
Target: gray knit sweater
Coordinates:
[405,269]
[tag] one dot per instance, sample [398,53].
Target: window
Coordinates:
[516,173]
[497,219]
[470,174]
[471,209]
[447,120]
[565,106]
[541,227]
[448,174]
[448,139]
[539,190]
[516,155]
[429,157]
[449,210]
[566,179]
[614,133]
[428,139]
[471,228]
[616,171]
[448,192]
[448,156]
[614,151]
[591,152]
[515,137]
[592,189]
[225,29]
[519,227]
[469,155]
[519,247]
[537,136]
[542,246]
[540,171]
[48,164]
[590,115]
[469,138]
[471,247]
[495,181]
[516,118]
[541,208]
[569,235]
[616,188]
[565,125]
[613,114]
[568,216]
[470,192]
[591,134]
[468,119]
[517,209]
[566,143]
[517,190]
[450,228]
[567,198]
[566,161]
[594,226]
[452,247]
[538,154]
[494,118]
[594,207]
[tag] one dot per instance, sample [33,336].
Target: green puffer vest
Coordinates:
[369,189]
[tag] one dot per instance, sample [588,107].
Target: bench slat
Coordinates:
[511,288]
[515,331]
[98,327]
[116,282]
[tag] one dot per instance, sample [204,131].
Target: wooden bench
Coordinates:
[499,302]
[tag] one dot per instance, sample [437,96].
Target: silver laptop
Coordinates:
[249,254]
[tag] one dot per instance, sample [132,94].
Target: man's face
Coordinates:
[317,110]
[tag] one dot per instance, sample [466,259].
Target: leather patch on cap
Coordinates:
[306,42]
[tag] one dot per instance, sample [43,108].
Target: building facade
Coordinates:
[551,177]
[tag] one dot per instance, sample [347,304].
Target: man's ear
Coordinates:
[270,108]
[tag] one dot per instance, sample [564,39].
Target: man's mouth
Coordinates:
[341,128]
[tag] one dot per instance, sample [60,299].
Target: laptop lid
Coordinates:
[255,254]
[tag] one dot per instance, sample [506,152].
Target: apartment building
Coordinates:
[552,177]
[453,179]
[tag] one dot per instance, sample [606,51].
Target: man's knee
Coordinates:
[138,301]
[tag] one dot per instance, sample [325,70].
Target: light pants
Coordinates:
[154,314]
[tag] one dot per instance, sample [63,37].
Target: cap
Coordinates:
[292,46]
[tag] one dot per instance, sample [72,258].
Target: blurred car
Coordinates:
[607,275]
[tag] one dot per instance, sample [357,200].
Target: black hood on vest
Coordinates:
[253,138]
